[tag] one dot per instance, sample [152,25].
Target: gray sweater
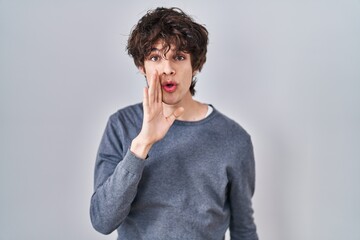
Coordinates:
[196,182]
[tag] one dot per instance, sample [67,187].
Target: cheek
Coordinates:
[190,73]
[149,69]
[188,78]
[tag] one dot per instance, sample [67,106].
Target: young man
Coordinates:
[172,167]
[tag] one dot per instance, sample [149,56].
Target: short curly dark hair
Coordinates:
[174,27]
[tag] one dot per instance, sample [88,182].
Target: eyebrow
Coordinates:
[155,50]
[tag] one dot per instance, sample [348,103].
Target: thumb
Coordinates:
[177,113]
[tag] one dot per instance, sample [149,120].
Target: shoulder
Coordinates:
[229,126]
[125,124]
[129,114]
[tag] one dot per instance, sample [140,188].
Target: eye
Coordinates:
[154,58]
[179,58]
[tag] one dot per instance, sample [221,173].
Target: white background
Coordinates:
[287,71]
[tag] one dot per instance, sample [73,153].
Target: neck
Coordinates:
[193,110]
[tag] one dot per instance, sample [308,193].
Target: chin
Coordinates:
[170,102]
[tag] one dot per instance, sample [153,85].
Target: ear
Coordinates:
[142,70]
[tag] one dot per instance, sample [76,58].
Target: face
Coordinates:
[174,73]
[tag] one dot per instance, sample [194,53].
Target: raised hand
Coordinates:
[155,123]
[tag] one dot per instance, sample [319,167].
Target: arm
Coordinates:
[242,226]
[115,181]
[117,178]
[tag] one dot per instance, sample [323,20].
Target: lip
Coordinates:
[169,86]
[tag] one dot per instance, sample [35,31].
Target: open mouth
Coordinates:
[169,87]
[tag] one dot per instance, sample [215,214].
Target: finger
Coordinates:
[176,114]
[157,87]
[152,89]
[160,91]
[145,98]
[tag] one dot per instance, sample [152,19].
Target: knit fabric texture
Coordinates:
[197,181]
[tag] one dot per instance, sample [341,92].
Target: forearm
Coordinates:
[110,204]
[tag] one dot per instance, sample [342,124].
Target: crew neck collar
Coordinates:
[201,121]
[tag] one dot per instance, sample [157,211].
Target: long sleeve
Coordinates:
[242,186]
[197,182]
[116,178]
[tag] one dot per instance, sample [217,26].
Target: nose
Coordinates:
[168,68]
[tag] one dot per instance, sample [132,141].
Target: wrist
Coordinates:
[140,147]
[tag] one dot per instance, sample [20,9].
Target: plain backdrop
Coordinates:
[287,71]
